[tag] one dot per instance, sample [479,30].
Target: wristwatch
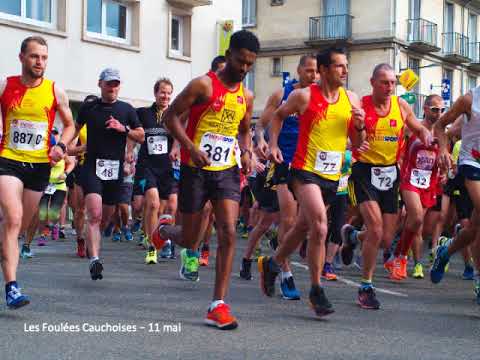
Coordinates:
[127,129]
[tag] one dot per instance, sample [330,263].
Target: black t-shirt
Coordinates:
[154,152]
[103,143]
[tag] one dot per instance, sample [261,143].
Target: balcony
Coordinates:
[330,29]
[474,52]
[422,35]
[190,3]
[455,47]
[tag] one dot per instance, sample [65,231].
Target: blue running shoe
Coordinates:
[468,273]
[439,263]
[136,225]
[288,289]
[127,234]
[108,230]
[15,299]
[166,250]
[117,236]
[26,253]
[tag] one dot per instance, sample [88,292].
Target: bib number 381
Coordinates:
[27,135]
[219,148]
[107,169]
[383,178]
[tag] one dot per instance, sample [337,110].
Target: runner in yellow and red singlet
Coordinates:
[29,103]
[375,176]
[220,110]
[328,116]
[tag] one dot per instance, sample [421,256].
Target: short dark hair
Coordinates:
[38,39]
[381,67]
[160,81]
[305,58]
[217,60]
[429,99]
[324,57]
[244,39]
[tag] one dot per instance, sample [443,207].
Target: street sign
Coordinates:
[408,79]
[410,98]
[446,91]
[286,77]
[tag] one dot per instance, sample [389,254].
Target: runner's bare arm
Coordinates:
[455,131]
[461,106]
[357,131]
[197,91]
[244,137]
[272,104]
[63,108]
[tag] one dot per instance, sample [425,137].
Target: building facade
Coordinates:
[437,39]
[144,39]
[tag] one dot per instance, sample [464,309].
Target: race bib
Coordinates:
[50,190]
[107,169]
[27,135]
[157,145]
[343,184]
[420,178]
[383,178]
[219,148]
[328,162]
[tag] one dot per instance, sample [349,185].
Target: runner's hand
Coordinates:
[276,155]
[262,149]
[116,125]
[175,153]
[199,158]
[260,167]
[56,154]
[364,147]
[246,161]
[426,136]
[358,117]
[444,160]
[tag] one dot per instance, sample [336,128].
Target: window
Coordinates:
[249,13]
[180,34]
[448,21]
[414,9]
[108,19]
[249,81]
[472,82]
[36,12]
[277,66]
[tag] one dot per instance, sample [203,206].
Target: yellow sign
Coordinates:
[225,32]
[408,79]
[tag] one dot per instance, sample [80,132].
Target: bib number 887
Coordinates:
[26,138]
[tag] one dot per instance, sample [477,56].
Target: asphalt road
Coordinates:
[161,316]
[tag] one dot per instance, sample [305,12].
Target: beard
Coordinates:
[233,75]
[34,75]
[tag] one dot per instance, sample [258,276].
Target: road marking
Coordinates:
[353,283]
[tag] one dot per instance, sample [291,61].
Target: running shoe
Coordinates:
[328,272]
[117,236]
[288,289]
[204,254]
[439,263]
[367,298]
[55,232]
[268,270]
[26,253]
[189,268]
[108,230]
[157,240]
[337,262]
[319,302]
[399,271]
[172,248]
[15,298]
[221,317]
[61,233]
[140,238]
[127,234]
[151,257]
[166,250]
[418,271]
[468,272]
[389,264]
[96,269]
[246,269]
[81,248]
[136,225]
[349,240]
[42,240]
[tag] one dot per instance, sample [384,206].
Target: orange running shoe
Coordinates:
[388,265]
[203,261]
[403,267]
[157,241]
[221,317]
[399,269]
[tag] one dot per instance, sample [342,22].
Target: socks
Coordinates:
[286,274]
[215,303]
[94,258]
[366,284]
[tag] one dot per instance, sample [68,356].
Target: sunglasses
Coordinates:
[437,109]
